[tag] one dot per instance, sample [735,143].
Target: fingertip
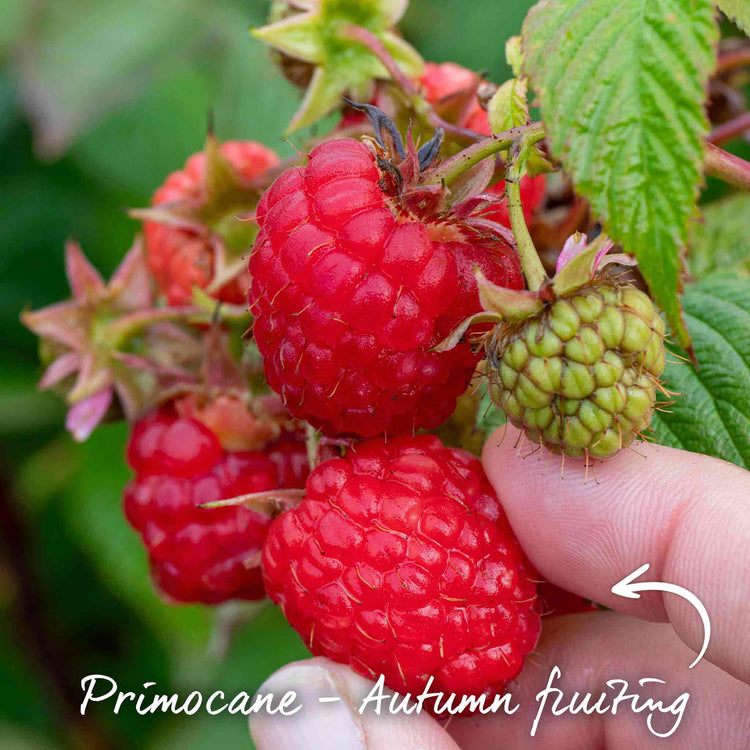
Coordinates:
[586,528]
[312,724]
[337,723]
[591,649]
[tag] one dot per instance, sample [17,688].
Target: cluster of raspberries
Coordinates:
[396,556]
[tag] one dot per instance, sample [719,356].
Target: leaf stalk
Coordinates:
[453,167]
[727,167]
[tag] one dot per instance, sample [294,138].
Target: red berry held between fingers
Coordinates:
[400,561]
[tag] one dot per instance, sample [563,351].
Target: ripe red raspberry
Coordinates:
[351,289]
[442,80]
[200,554]
[180,258]
[400,561]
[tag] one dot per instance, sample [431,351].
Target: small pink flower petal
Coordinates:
[64,365]
[574,245]
[130,284]
[85,281]
[605,248]
[92,377]
[83,417]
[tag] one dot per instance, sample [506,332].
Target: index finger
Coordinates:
[685,514]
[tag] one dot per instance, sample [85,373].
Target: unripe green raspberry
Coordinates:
[580,376]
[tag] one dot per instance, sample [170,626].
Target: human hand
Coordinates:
[686,514]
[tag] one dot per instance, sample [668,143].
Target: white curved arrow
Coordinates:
[630,590]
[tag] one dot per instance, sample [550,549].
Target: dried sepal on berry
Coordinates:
[225,396]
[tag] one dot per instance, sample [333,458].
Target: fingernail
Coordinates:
[333,725]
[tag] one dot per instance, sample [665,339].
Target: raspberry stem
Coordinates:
[532,267]
[730,129]
[519,141]
[727,167]
[453,167]
[120,330]
[312,438]
[731,59]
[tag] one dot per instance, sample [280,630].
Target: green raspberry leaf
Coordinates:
[721,242]
[737,11]
[621,84]
[712,415]
[508,108]
[514,55]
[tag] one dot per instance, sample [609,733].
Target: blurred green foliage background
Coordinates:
[99,100]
